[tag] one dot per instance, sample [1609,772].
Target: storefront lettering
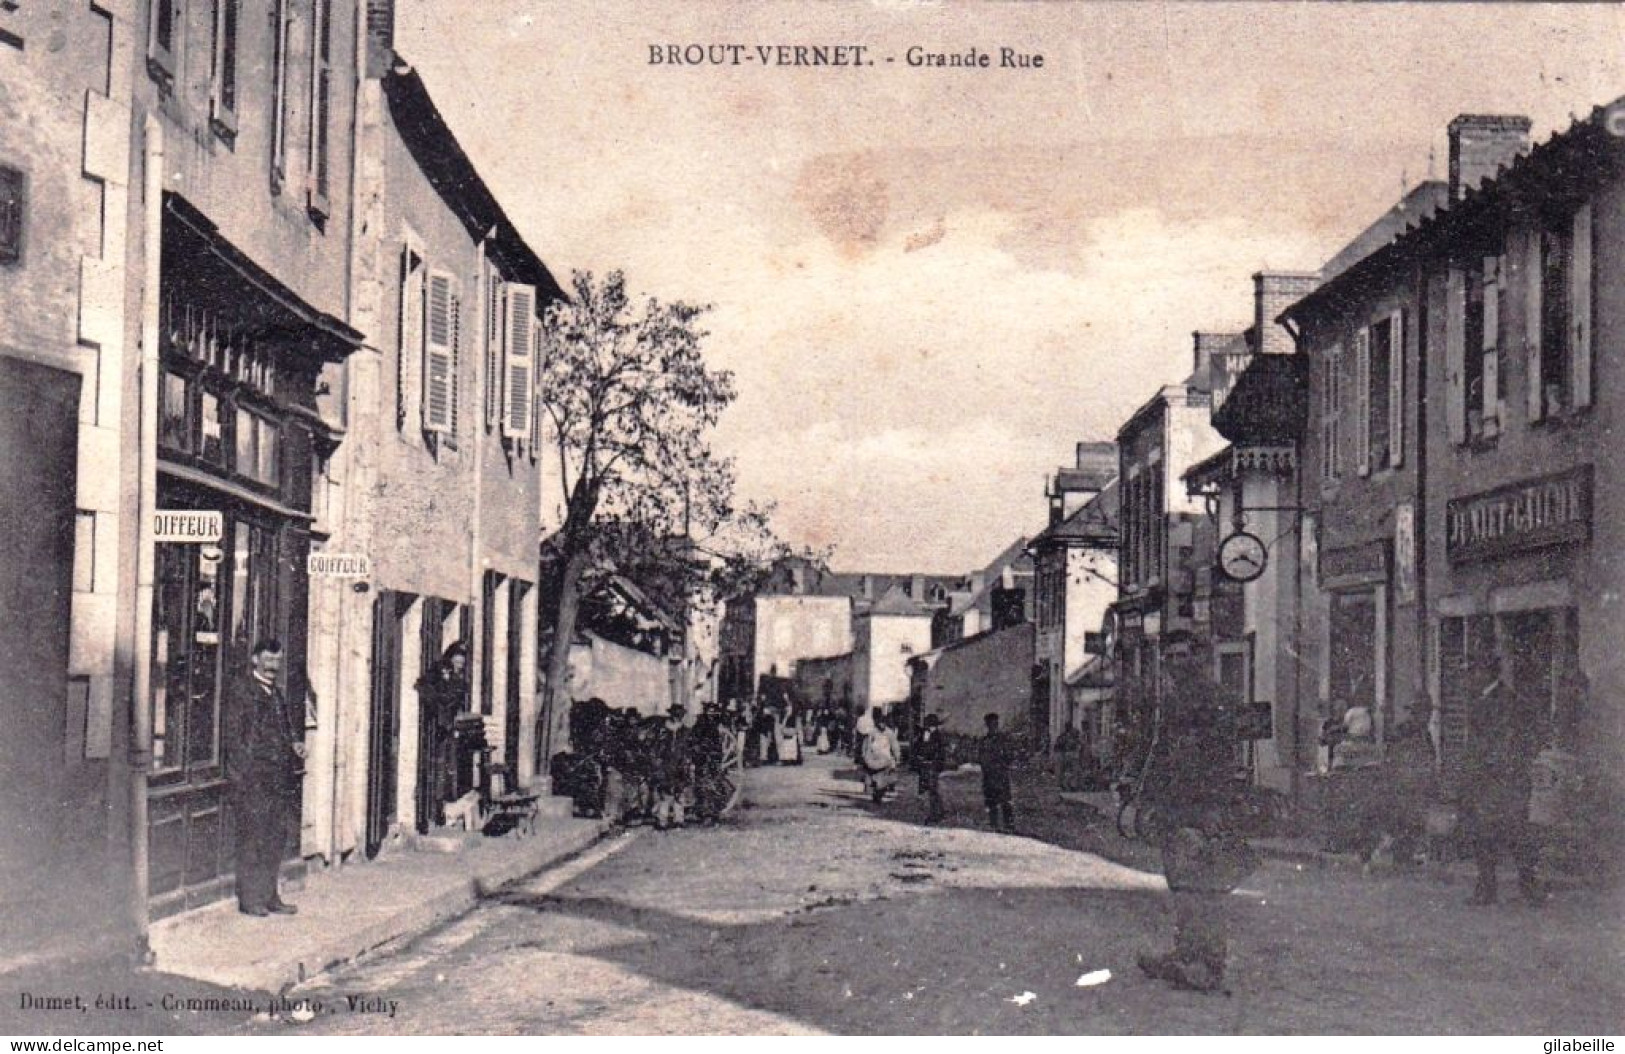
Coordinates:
[338,565]
[187,526]
[1549,511]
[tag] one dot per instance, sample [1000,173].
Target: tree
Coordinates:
[630,405]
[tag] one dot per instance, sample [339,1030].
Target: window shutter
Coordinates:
[437,343]
[1531,326]
[456,356]
[1580,308]
[1396,389]
[493,347]
[1490,350]
[536,399]
[517,385]
[1362,401]
[409,335]
[1455,354]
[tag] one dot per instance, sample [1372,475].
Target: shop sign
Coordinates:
[1405,553]
[338,565]
[188,526]
[1532,514]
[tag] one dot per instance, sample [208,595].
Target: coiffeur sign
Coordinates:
[1532,514]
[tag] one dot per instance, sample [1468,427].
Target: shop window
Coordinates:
[211,419]
[174,413]
[258,454]
[12,202]
[188,608]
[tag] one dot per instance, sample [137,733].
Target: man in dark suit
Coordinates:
[265,752]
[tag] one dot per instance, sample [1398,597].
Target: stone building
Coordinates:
[72,773]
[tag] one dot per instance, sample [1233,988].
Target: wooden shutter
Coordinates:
[1396,389]
[456,357]
[1489,351]
[494,302]
[1362,400]
[536,400]
[1580,308]
[519,358]
[1455,354]
[437,353]
[409,335]
[1536,396]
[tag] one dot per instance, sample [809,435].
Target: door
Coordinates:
[383,736]
[1354,647]
[49,815]
[428,791]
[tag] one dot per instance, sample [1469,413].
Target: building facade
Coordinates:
[70,187]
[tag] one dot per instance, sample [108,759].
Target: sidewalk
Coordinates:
[347,912]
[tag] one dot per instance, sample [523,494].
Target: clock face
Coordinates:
[1242,556]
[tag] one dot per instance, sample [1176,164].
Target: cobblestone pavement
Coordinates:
[812,911]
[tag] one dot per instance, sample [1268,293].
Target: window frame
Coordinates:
[318,157]
[224,70]
[163,55]
[282,38]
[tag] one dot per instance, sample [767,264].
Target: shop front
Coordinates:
[1515,603]
[239,442]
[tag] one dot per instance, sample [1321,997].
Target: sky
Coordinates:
[931,283]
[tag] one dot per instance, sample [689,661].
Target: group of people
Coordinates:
[879,755]
[667,769]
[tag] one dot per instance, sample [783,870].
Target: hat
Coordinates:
[676,708]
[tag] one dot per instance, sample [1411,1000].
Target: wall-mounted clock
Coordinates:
[1242,557]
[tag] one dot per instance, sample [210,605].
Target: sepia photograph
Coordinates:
[856,518]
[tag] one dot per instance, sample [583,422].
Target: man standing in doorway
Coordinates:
[265,752]
[1505,730]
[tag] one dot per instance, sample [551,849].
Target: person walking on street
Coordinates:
[264,753]
[1191,782]
[880,758]
[929,757]
[997,754]
[1504,735]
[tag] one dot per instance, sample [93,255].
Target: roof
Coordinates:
[1269,403]
[992,577]
[1095,673]
[1095,521]
[1571,160]
[1420,202]
[458,182]
[897,602]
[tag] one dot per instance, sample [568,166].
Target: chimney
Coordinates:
[917,588]
[868,587]
[1480,144]
[1206,344]
[1273,293]
[1097,462]
[380,37]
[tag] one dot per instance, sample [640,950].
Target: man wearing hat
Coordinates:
[671,768]
[1191,783]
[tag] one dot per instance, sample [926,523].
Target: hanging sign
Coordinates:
[338,565]
[188,526]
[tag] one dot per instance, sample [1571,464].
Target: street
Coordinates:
[811,911]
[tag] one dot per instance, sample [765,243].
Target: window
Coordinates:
[1331,414]
[440,354]
[518,361]
[163,30]
[258,453]
[1382,353]
[409,339]
[12,200]
[191,632]
[281,28]
[223,80]
[321,104]
[1560,297]
[495,300]
[174,412]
